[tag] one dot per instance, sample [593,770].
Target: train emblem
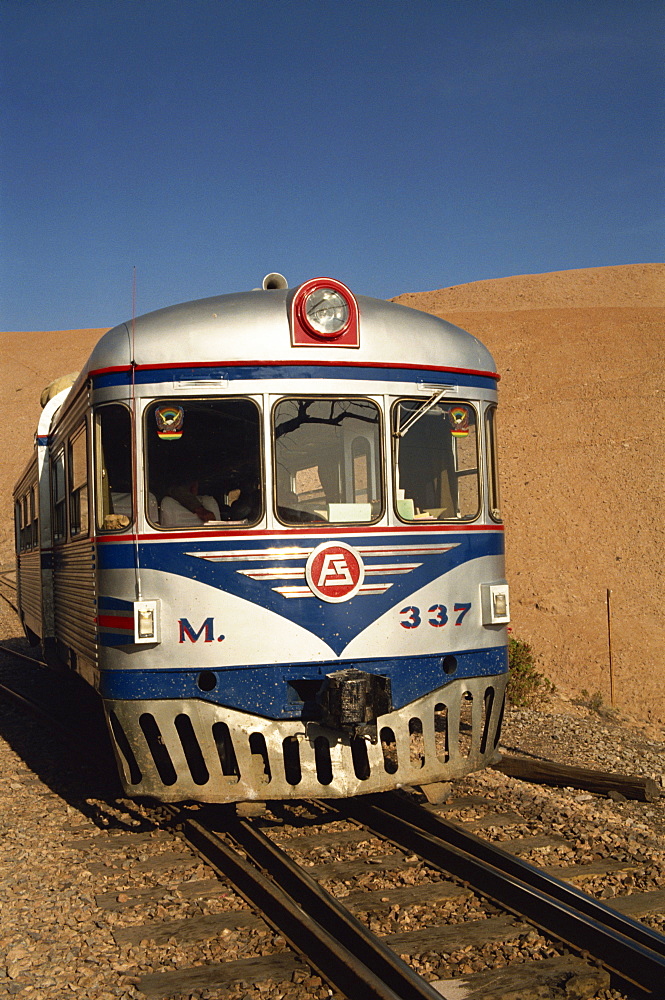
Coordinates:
[335,572]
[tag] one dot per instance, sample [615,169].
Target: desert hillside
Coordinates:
[582,362]
[582,359]
[30,361]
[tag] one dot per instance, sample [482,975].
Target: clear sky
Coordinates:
[398,145]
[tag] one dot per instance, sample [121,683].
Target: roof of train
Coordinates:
[254,327]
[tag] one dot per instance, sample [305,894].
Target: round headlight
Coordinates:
[327,311]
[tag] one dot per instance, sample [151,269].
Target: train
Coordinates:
[265,527]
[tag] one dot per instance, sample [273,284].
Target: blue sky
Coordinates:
[398,145]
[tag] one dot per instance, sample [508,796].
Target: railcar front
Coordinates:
[300,587]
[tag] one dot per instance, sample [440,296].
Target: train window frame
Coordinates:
[228,498]
[107,519]
[402,505]
[493,478]
[18,541]
[59,494]
[78,482]
[23,522]
[34,516]
[312,517]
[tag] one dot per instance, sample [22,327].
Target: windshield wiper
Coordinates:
[425,408]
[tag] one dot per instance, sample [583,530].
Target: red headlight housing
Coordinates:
[324,312]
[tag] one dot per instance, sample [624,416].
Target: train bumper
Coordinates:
[177,750]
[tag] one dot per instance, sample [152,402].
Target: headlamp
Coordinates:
[324,313]
[327,311]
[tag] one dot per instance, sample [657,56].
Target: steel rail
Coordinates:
[634,952]
[536,877]
[10,603]
[22,656]
[329,938]
[21,699]
[36,709]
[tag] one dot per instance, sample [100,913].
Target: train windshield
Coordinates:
[327,455]
[436,461]
[203,463]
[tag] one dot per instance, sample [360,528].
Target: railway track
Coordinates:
[331,933]
[333,881]
[8,588]
[635,953]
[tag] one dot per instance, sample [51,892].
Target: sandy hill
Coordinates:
[582,358]
[627,286]
[582,424]
[30,361]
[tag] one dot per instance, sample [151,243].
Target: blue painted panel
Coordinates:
[265,690]
[232,373]
[336,624]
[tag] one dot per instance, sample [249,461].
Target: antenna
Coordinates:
[133,316]
[135,471]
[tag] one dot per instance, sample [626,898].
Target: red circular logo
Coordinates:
[334,572]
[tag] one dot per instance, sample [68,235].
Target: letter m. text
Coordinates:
[187,631]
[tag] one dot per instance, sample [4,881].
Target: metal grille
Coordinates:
[176,750]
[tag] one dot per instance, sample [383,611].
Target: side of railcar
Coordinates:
[73,638]
[28,551]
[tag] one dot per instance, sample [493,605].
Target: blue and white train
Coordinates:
[266,528]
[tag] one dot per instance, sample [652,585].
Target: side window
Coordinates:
[59,496]
[21,522]
[32,515]
[113,464]
[17,526]
[35,516]
[436,460]
[25,523]
[203,463]
[78,483]
[492,464]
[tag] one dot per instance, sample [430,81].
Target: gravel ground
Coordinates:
[56,942]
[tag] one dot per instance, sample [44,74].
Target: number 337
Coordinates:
[437,615]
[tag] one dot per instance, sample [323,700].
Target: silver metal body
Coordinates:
[240,739]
